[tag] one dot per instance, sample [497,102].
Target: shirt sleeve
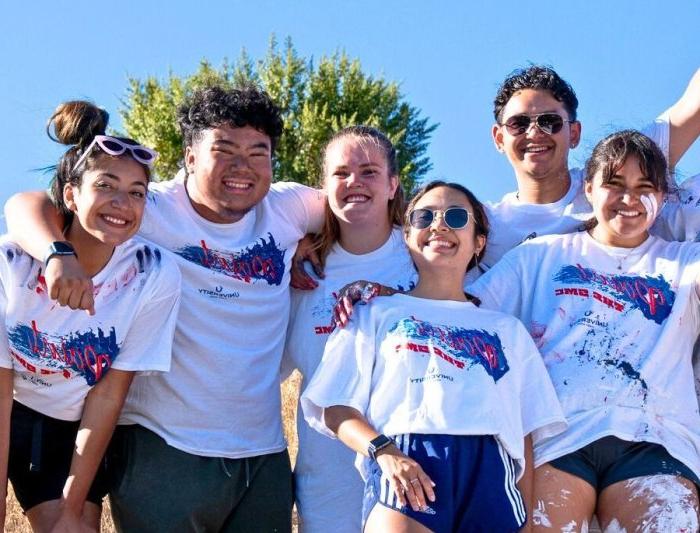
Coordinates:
[541,411]
[344,376]
[147,346]
[659,131]
[679,219]
[308,205]
[500,287]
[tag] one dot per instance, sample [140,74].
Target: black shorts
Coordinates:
[41,450]
[609,460]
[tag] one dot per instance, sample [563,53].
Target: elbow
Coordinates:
[333,417]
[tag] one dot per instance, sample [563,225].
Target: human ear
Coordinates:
[69,197]
[480,244]
[393,185]
[190,159]
[575,134]
[588,190]
[497,135]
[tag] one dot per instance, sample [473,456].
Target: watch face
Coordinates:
[62,248]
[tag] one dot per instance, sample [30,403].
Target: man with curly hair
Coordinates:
[536,125]
[201,447]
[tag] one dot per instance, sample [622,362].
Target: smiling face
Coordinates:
[535,154]
[439,246]
[229,172]
[625,206]
[108,204]
[357,181]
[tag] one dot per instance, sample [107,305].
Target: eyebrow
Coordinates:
[260,144]
[117,178]
[361,165]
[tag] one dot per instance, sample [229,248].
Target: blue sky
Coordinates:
[627,60]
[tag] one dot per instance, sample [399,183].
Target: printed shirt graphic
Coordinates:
[616,329]
[221,398]
[327,488]
[413,365]
[58,354]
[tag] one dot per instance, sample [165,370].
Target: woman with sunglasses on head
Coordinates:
[360,238]
[436,395]
[615,312]
[64,374]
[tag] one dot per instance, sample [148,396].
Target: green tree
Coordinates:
[316,100]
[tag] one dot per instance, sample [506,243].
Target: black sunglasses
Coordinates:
[549,123]
[454,217]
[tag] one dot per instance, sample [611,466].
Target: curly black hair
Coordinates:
[538,77]
[214,106]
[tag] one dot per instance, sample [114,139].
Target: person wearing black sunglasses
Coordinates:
[536,125]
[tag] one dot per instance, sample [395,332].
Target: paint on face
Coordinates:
[570,527]
[651,205]
[671,506]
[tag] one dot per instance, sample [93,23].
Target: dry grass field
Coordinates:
[17,523]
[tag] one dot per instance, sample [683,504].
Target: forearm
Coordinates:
[350,426]
[526,484]
[33,222]
[100,414]
[684,119]
[5,412]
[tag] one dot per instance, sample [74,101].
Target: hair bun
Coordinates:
[77,122]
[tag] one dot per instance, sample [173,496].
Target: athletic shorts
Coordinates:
[609,460]
[41,451]
[474,480]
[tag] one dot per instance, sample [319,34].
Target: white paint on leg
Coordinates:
[615,527]
[539,515]
[671,506]
[570,527]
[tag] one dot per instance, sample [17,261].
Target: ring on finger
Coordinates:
[414,480]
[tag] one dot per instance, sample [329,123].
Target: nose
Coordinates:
[438,223]
[353,179]
[120,199]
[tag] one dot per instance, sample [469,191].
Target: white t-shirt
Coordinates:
[513,221]
[413,365]
[221,397]
[328,490]
[58,354]
[616,329]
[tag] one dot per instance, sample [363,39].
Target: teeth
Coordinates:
[236,185]
[628,213]
[536,149]
[356,198]
[439,243]
[114,220]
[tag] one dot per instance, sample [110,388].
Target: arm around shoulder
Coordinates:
[33,222]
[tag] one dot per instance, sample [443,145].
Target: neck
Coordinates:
[92,253]
[361,239]
[544,190]
[440,285]
[616,242]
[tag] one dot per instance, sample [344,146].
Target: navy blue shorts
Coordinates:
[474,480]
[609,460]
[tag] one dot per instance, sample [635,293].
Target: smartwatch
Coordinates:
[59,248]
[376,444]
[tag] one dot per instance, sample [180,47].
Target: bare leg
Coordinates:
[44,516]
[383,519]
[649,503]
[562,502]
